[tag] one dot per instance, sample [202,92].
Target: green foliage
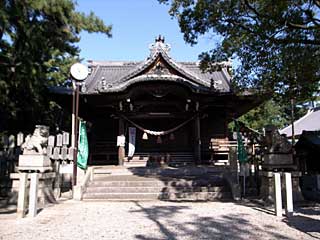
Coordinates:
[270,112]
[276,42]
[37,48]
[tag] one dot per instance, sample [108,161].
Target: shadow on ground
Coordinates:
[231,226]
[8,205]
[304,224]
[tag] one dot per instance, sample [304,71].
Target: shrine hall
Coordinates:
[157,108]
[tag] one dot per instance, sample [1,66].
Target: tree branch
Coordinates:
[301,41]
[317,3]
[246,3]
[301,26]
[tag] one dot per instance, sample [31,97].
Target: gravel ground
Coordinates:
[160,220]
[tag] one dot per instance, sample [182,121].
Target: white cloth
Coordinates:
[132,141]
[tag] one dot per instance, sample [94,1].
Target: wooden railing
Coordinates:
[220,151]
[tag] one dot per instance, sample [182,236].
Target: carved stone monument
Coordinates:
[34,155]
[278,157]
[278,152]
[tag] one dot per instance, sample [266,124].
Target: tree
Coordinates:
[37,47]
[276,42]
[267,113]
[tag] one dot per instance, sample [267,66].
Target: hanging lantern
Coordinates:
[171,137]
[145,136]
[159,140]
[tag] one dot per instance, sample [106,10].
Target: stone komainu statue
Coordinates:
[276,143]
[37,142]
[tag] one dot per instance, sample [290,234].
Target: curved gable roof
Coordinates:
[112,76]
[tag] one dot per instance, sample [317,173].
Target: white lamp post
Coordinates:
[79,73]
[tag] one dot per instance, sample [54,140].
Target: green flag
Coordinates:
[242,154]
[83,148]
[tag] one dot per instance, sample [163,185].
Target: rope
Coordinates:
[159,133]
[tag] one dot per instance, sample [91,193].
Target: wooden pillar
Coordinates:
[197,146]
[121,150]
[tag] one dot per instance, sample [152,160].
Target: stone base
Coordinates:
[45,187]
[278,161]
[36,162]
[267,186]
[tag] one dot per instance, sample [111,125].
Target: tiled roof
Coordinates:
[309,122]
[116,76]
[110,74]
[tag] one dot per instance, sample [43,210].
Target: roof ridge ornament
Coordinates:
[159,45]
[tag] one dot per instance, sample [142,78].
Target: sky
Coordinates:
[135,24]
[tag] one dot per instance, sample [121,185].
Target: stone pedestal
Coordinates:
[34,162]
[267,186]
[232,175]
[278,161]
[45,187]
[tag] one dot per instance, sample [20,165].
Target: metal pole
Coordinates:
[73,137]
[292,121]
[73,140]
[76,136]
[244,180]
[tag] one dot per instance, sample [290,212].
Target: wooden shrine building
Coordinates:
[176,108]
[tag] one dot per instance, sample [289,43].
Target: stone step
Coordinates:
[191,196]
[153,173]
[186,181]
[120,184]
[153,189]
[135,164]
[111,171]
[152,184]
[193,183]
[121,196]
[181,164]
[182,159]
[173,157]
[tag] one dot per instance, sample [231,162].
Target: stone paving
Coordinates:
[155,220]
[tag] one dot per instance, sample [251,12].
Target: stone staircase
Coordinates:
[174,159]
[121,184]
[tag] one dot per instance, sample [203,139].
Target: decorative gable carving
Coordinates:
[159,68]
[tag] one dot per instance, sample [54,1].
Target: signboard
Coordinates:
[65,138]
[244,170]
[121,141]
[66,168]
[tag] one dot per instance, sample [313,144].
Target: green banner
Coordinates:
[83,148]
[242,153]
